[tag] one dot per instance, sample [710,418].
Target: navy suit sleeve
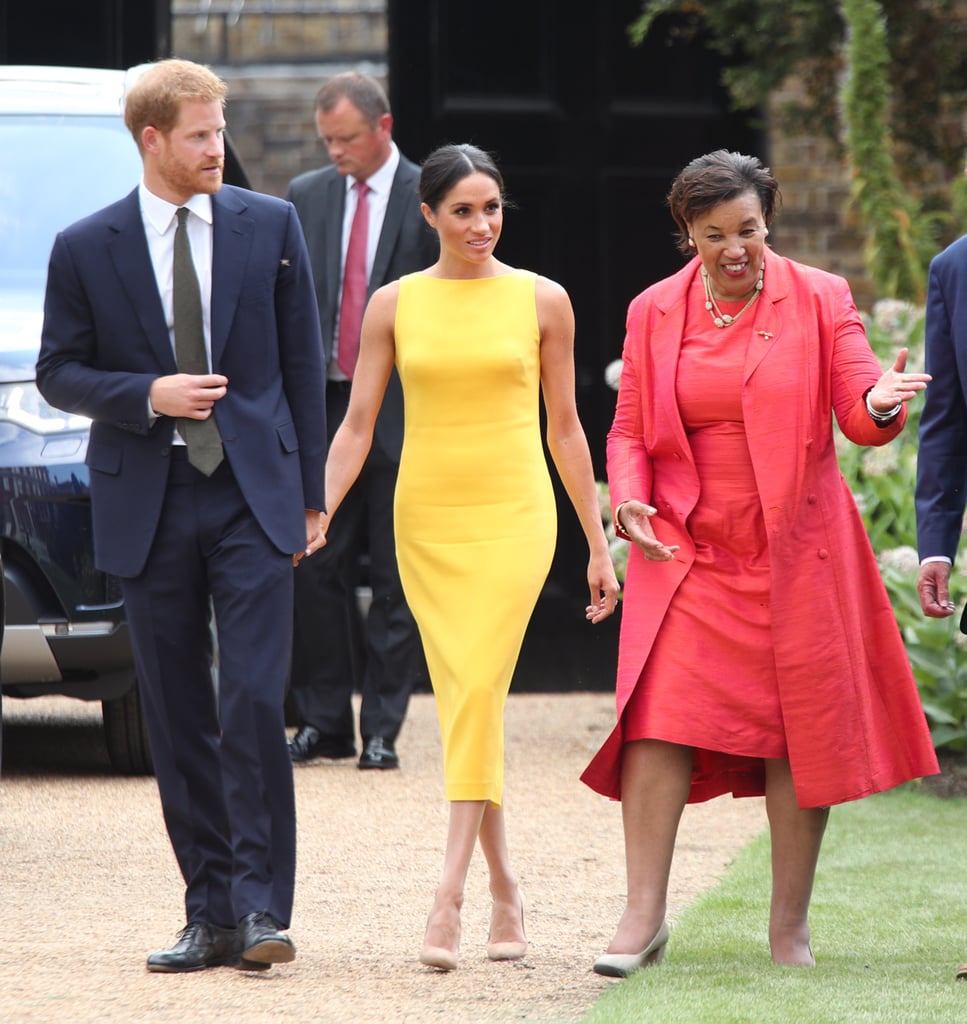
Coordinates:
[942,455]
[67,374]
[301,359]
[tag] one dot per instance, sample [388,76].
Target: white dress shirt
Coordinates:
[160,224]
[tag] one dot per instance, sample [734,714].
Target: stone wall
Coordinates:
[271,118]
[815,224]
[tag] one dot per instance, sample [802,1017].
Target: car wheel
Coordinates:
[126,735]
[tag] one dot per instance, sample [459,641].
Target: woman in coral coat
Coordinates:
[759,652]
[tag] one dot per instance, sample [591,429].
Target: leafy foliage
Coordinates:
[764,42]
[897,118]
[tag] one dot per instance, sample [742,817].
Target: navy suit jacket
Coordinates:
[942,455]
[105,340]
[406,244]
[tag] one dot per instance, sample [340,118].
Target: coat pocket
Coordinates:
[103,458]
[288,438]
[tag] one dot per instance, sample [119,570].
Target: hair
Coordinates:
[716,178]
[156,96]
[450,164]
[365,93]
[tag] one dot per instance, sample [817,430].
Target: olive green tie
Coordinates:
[201,436]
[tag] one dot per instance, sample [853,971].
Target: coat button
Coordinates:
[822,553]
[812,499]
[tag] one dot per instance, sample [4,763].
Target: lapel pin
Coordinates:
[765,334]
[285,263]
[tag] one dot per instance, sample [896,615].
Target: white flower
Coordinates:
[880,461]
[896,318]
[612,374]
[904,559]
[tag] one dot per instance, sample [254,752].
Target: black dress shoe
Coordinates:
[262,941]
[308,744]
[199,945]
[379,753]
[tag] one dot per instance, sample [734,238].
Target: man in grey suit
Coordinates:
[354,122]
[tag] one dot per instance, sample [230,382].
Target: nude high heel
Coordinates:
[620,965]
[508,950]
[438,957]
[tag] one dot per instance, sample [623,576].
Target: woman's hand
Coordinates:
[604,588]
[316,525]
[635,520]
[895,386]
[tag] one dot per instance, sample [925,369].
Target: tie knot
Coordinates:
[182,214]
[361,189]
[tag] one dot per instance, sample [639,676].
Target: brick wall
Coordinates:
[815,224]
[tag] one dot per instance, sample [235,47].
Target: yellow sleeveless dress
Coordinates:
[475,515]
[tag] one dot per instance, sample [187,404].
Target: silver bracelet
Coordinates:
[882,417]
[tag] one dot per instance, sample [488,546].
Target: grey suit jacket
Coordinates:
[406,244]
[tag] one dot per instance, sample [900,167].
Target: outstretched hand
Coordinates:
[636,522]
[896,386]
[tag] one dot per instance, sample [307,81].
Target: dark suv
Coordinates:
[66,153]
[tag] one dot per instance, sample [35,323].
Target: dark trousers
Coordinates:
[220,755]
[327,663]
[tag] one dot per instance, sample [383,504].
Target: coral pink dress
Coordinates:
[710,682]
[770,634]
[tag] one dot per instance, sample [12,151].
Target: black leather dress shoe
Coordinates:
[379,753]
[262,941]
[308,744]
[199,945]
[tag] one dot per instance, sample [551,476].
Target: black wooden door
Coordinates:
[589,133]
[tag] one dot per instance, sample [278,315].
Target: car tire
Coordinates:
[126,735]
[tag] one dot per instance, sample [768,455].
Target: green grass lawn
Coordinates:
[888,920]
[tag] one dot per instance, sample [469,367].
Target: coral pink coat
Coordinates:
[853,719]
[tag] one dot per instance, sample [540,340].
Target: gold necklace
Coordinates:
[719,318]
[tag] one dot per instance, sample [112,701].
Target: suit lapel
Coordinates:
[128,250]
[767,325]
[666,347]
[232,233]
[400,197]
[335,209]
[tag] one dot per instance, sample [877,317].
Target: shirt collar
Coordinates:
[160,214]
[382,180]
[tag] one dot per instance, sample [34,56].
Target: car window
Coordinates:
[54,170]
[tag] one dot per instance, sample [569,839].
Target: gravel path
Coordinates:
[89,885]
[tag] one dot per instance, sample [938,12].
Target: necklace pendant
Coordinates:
[726,319]
[719,321]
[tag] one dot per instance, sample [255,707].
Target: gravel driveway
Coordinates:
[89,885]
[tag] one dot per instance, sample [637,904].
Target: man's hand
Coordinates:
[933,586]
[187,395]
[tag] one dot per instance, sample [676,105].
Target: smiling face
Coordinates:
[190,159]
[731,240]
[468,220]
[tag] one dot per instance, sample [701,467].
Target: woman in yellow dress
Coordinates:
[476,342]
